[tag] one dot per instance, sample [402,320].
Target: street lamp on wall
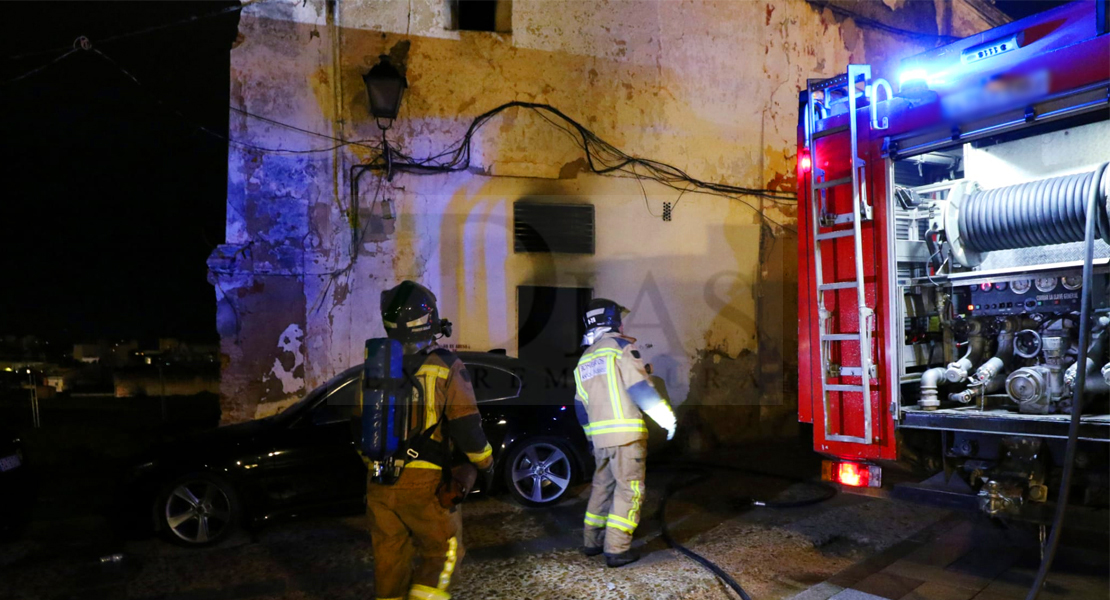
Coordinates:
[385,86]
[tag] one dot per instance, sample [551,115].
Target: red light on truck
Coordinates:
[805,162]
[851,474]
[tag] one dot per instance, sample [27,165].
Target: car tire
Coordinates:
[539,471]
[197,510]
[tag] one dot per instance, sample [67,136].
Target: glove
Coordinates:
[664,416]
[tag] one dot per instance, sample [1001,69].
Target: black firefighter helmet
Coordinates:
[409,313]
[601,312]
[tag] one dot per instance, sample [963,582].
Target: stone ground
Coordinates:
[850,547]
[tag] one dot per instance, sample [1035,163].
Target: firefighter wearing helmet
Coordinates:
[409,519]
[613,391]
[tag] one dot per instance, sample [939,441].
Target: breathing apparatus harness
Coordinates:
[391,435]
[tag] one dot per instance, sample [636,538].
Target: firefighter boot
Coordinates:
[624,558]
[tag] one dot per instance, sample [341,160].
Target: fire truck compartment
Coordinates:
[988,238]
[954,260]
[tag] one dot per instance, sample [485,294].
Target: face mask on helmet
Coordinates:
[409,313]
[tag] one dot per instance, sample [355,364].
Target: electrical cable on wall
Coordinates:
[364,143]
[602,157]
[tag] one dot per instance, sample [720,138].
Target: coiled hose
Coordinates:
[1038,213]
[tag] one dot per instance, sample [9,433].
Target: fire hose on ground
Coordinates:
[701,472]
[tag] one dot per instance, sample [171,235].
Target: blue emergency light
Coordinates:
[911,75]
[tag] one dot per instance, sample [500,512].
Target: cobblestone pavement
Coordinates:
[849,545]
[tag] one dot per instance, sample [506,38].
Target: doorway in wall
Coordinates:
[550,328]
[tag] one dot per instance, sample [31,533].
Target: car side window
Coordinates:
[338,404]
[492,383]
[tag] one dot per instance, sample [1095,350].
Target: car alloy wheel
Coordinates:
[540,473]
[198,511]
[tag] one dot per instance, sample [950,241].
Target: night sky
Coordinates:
[111,200]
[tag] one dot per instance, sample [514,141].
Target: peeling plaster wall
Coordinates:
[710,87]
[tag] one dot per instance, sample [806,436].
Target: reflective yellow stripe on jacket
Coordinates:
[614,387]
[600,378]
[616,426]
[477,457]
[610,355]
[581,390]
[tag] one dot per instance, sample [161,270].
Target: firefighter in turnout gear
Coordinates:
[614,391]
[408,522]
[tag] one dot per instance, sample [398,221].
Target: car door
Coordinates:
[313,461]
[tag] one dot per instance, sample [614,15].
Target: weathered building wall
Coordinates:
[710,87]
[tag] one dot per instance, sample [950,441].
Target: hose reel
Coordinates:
[1038,213]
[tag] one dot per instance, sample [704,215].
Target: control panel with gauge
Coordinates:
[1043,293]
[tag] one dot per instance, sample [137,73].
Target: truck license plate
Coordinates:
[9,462]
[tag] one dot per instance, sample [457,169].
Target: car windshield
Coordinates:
[311,398]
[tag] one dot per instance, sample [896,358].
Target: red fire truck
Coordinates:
[953,294]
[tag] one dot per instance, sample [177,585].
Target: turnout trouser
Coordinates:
[618,492]
[407,523]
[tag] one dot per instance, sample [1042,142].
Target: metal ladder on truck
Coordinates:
[822,223]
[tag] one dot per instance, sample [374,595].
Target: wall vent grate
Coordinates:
[553,228]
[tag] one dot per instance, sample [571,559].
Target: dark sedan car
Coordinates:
[304,460]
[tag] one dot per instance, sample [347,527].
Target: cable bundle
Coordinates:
[603,158]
